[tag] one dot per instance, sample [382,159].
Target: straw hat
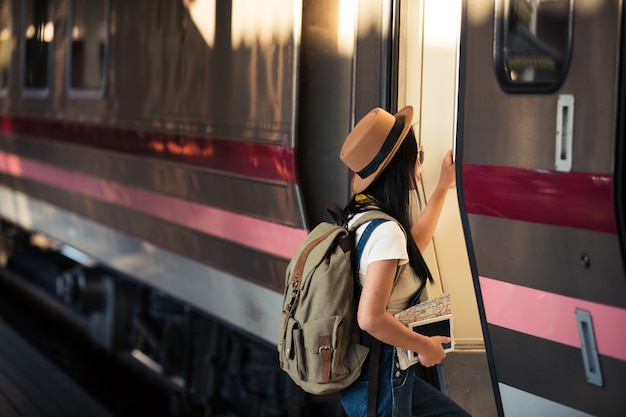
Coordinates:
[373,142]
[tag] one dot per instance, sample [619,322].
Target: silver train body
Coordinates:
[173,155]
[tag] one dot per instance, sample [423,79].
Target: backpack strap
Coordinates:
[363,240]
[371,216]
[374,359]
[372,383]
[376,218]
[337,213]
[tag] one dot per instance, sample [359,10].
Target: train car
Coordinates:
[160,162]
[543,151]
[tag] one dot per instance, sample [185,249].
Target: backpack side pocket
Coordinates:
[293,359]
[321,350]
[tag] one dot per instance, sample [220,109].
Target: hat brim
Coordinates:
[360,184]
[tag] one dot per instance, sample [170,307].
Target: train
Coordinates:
[161,161]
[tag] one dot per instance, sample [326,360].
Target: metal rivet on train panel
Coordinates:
[585,261]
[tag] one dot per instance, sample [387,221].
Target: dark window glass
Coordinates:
[533,43]
[39,36]
[88,34]
[6,32]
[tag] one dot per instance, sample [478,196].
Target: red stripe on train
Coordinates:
[255,160]
[577,199]
[552,316]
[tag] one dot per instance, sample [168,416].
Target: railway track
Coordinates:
[123,389]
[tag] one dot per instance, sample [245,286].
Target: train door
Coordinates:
[540,120]
[429,32]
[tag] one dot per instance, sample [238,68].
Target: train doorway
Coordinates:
[428,74]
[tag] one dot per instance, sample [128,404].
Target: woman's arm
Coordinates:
[373,317]
[424,228]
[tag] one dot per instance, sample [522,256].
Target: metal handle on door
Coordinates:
[564,133]
[591,361]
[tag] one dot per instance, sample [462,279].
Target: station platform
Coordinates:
[31,386]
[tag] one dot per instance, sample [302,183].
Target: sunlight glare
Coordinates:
[346,26]
[202,13]
[266,23]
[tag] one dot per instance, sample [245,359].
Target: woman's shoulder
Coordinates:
[386,241]
[390,230]
[388,227]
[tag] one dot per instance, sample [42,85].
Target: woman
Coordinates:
[383,153]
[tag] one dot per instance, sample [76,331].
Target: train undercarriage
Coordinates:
[208,368]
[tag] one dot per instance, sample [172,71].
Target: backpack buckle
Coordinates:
[326,349]
[326,357]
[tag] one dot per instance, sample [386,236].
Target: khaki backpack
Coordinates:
[319,342]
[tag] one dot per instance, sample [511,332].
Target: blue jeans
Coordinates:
[400,393]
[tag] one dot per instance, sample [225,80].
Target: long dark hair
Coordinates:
[390,193]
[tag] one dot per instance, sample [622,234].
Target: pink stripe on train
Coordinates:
[261,235]
[552,316]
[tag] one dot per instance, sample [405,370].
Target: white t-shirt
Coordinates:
[386,242]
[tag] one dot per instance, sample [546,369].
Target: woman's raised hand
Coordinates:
[448,171]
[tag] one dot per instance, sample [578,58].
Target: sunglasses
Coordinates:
[420,148]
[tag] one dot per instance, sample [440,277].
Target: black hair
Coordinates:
[390,193]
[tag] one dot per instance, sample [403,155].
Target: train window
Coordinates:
[533,43]
[6,30]
[88,34]
[38,35]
